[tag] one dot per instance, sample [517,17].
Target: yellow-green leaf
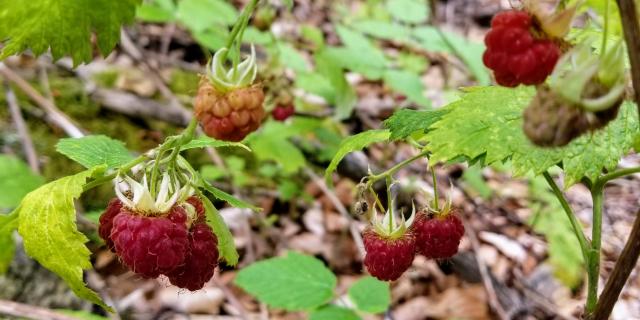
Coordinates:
[48,227]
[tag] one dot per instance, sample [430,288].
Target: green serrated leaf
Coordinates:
[354,143]
[48,227]
[91,151]
[345,95]
[203,142]
[221,195]
[409,84]
[226,246]
[487,122]
[64,26]
[383,30]
[271,143]
[404,122]
[332,312]
[370,295]
[8,223]
[16,180]
[410,11]
[293,282]
[291,58]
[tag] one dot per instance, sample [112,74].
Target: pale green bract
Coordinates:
[486,125]
[48,227]
[63,26]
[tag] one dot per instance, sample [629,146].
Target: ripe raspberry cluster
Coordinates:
[435,235]
[183,250]
[517,52]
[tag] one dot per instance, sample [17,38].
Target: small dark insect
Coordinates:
[361,207]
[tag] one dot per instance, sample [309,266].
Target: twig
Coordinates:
[621,272]
[629,15]
[232,298]
[355,233]
[54,115]
[484,272]
[21,127]
[21,310]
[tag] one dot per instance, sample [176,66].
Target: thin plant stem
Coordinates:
[377,200]
[618,174]
[575,224]
[389,202]
[435,188]
[240,24]
[593,267]
[372,179]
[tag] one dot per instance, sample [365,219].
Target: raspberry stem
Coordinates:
[435,188]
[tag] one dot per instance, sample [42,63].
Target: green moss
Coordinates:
[107,78]
[184,82]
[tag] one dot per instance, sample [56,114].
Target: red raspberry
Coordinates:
[150,245]
[229,116]
[514,54]
[387,259]
[106,221]
[201,260]
[282,113]
[437,237]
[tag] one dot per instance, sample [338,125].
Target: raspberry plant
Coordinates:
[577,118]
[485,124]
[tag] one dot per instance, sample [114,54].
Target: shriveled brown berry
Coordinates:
[551,121]
[229,116]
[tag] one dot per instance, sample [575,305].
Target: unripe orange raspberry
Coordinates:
[229,116]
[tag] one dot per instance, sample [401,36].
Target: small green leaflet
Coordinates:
[409,11]
[293,282]
[404,122]
[64,26]
[226,246]
[370,295]
[48,227]
[345,96]
[487,122]
[91,151]
[332,312]
[221,195]
[199,15]
[8,223]
[16,180]
[203,142]
[157,11]
[354,143]
[271,143]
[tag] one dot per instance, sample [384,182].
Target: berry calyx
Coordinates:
[516,54]
[390,249]
[438,232]
[282,113]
